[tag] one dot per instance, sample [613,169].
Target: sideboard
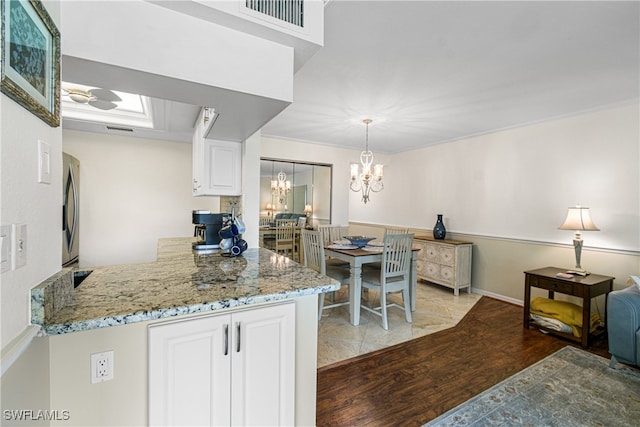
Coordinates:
[445,262]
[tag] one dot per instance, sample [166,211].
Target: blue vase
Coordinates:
[439,231]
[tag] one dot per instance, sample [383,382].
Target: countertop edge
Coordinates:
[166,313]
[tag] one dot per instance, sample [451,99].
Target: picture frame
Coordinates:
[30,72]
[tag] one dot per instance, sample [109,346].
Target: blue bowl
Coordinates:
[359,241]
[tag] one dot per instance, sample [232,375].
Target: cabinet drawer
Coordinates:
[447,255]
[431,253]
[552,285]
[421,267]
[431,270]
[447,274]
[437,272]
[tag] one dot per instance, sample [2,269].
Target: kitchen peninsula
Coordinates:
[114,308]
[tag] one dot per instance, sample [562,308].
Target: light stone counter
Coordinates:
[179,282]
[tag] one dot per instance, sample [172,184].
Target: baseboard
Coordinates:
[12,351]
[497,296]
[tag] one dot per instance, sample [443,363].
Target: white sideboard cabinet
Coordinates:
[227,369]
[445,262]
[217,165]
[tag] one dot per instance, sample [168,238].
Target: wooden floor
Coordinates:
[414,382]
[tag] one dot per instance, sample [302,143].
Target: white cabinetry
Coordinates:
[231,369]
[217,165]
[445,262]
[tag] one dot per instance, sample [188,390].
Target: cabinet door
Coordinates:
[217,165]
[222,172]
[189,372]
[263,366]
[197,161]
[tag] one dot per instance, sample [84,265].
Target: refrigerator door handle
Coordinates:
[70,233]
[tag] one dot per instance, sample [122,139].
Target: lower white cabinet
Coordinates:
[227,369]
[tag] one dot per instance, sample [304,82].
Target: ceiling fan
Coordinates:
[103,99]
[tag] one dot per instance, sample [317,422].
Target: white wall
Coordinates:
[26,201]
[507,192]
[133,191]
[23,200]
[518,183]
[210,50]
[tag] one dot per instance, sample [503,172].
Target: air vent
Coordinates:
[120,129]
[291,11]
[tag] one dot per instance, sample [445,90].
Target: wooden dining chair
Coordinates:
[265,221]
[284,237]
[315,259]
[393,276]
[387,230]
[331,233]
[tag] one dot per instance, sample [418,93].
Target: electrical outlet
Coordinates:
[101,367]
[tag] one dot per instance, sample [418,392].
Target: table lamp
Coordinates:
[307,211]
[579,219]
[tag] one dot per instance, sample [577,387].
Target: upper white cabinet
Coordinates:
[232,369]
[217,165]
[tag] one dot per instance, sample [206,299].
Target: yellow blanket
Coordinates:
[566,312]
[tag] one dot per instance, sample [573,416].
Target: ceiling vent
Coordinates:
[291,11]
[120,129]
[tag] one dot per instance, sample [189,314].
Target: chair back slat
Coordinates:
[331,233]
[396,230]
[284,235]
[265,221]
[396,256]
[313,250]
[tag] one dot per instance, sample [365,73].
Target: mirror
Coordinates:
[288,187]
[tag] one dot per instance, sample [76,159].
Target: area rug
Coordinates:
[571,387]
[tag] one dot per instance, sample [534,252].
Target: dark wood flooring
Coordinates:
[414,382]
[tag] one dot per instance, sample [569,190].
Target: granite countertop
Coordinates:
[179,282]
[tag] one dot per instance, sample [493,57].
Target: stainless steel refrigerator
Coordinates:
[70,209]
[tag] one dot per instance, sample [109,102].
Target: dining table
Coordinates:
[357,257]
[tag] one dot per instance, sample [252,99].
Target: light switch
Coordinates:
[5,238]
[44,162]
[19,250]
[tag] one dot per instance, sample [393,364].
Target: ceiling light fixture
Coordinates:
[81,97]
[366,180]
[281,187]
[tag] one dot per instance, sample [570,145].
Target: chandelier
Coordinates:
[281,187]
[366,180]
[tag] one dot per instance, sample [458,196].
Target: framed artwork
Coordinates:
[31,58]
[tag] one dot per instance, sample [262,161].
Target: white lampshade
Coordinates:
[354,170]
[579,218]
[378,171]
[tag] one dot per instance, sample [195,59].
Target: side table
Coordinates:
[585,287]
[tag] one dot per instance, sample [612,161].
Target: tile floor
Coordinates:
[436,309]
